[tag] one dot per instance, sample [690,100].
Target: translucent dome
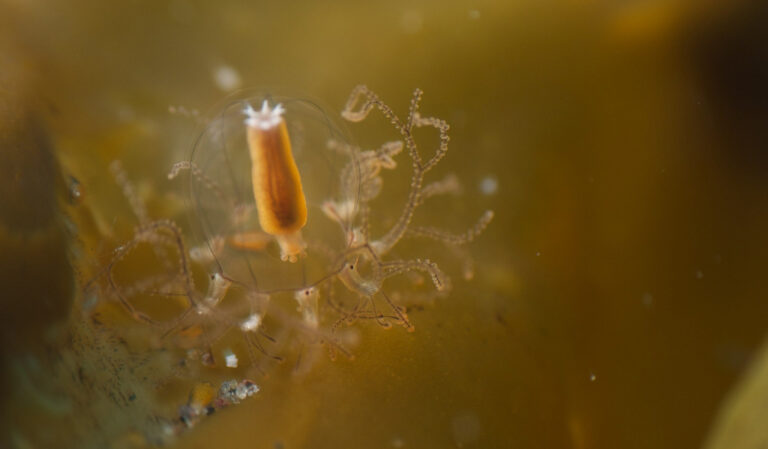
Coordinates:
[263,168]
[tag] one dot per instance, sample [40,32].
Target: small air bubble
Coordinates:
[473,14]
[226,78]
[489,185]
[699,274]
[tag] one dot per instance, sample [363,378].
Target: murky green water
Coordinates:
[618,293]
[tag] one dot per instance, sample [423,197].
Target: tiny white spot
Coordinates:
[592,377]
[489,185]
[231,360]
[246,389]
[75,192]
[411,22]
[474,14]
[538,253]
[699,274]
[397,442]
[182,111]
[226,78]
[251,324]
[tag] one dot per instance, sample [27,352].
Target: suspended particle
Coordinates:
[230,359]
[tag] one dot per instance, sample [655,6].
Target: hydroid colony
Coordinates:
[280,247]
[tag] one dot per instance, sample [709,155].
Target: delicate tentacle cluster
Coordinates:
[361,183]
[232,300]
[201,315]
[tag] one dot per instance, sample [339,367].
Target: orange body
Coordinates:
[276,181]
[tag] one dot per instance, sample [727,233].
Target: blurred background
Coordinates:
[619,294]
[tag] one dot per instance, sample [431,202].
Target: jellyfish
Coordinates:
[280,202]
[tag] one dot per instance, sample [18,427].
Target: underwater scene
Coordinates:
[402,224]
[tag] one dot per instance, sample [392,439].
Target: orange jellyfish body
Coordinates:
[277,188]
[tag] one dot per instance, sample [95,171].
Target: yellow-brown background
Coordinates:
[629,143]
